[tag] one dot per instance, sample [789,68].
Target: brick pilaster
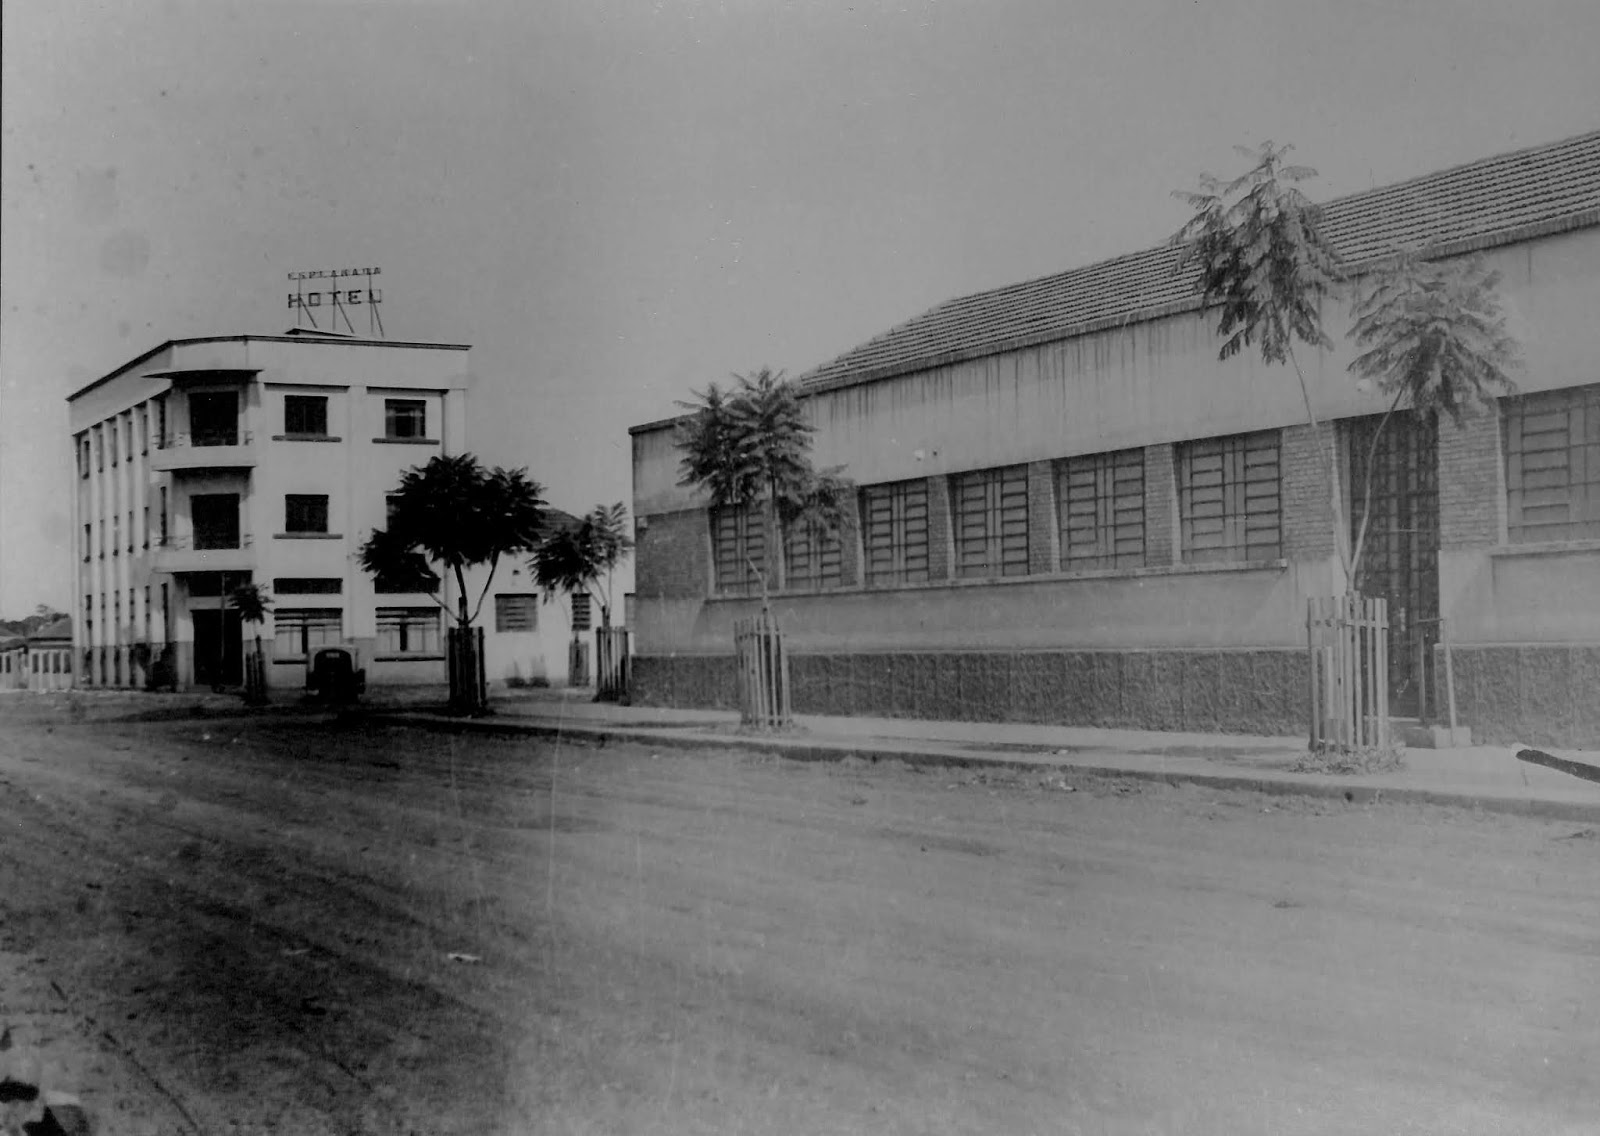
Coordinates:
[1160,505]
[673,558]
[851,572]
[941,550]
[1043,553]
[1472,489]
[1306,498]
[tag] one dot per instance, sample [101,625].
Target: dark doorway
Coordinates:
[218,648]
[1401,557]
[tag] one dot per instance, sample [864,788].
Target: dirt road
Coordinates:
[253,923]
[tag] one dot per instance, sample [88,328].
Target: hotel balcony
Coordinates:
[205,449]
[181,554]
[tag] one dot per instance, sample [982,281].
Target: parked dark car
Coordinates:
[335,674]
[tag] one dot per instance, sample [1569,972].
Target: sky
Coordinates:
[616,202]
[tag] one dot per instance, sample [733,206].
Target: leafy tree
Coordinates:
[454,513]
[252,603]
[750,448]
[583,557]
[1262,260]
[1433,335]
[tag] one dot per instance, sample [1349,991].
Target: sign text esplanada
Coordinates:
[336,290]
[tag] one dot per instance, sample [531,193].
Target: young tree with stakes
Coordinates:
[454,513]
[252,603]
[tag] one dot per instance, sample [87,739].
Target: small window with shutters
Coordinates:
[1100,510]
[516,611]
[1552,448]
[990,513]
[582,611]
[739,550]
[894,532]
[1229,499]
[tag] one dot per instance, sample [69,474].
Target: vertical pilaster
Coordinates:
[1044,553]
[941,550]
[1160,506]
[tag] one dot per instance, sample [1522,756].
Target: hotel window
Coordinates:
[990,512]
[142,418]
[102,538]
[132,535]
[83,457]
[1100,510]
[116,535]
[127,429]
[405,418]
[813,558]
[1552,447]
[305,416]
[88,541]
[582,611]
[739,549]
[163,514]
[307,585]
[305,513]
[520,612]
[408,631]
[299,631]
[216,520]
[111,442]
[894,532]
[161,422]
[147,526]
[1229,499]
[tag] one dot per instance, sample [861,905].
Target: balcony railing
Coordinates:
[204,542]
[220,436]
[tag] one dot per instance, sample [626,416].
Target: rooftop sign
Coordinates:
[336,290]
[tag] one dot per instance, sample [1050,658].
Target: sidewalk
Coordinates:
[1488,777]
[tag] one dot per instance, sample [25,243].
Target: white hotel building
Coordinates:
[207,463]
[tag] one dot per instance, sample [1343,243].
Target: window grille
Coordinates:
[582,614]
[739,550]
[1552,448]
[1229,498]
[1100,510]
[813,558]
[410,630]
[991,521]
[894,532]
[299,631]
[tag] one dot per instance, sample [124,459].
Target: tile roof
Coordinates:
[1512,196]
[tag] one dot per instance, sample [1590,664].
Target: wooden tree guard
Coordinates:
[469,688]
[763,672]
[1348,641]
[613,664]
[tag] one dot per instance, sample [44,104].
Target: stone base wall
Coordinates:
[1538,695]
[1232,691]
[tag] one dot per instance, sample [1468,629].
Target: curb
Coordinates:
[796,750]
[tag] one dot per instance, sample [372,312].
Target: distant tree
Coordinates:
[455,514]
[1433,337]
[1262,260]
[750,448]
[584,556]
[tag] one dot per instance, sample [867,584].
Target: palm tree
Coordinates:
[582,557]
[750,448]
[1435,338]
[1262,259]
[454,513]
[252,603]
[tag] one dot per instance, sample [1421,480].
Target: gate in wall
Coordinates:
[1401,559]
